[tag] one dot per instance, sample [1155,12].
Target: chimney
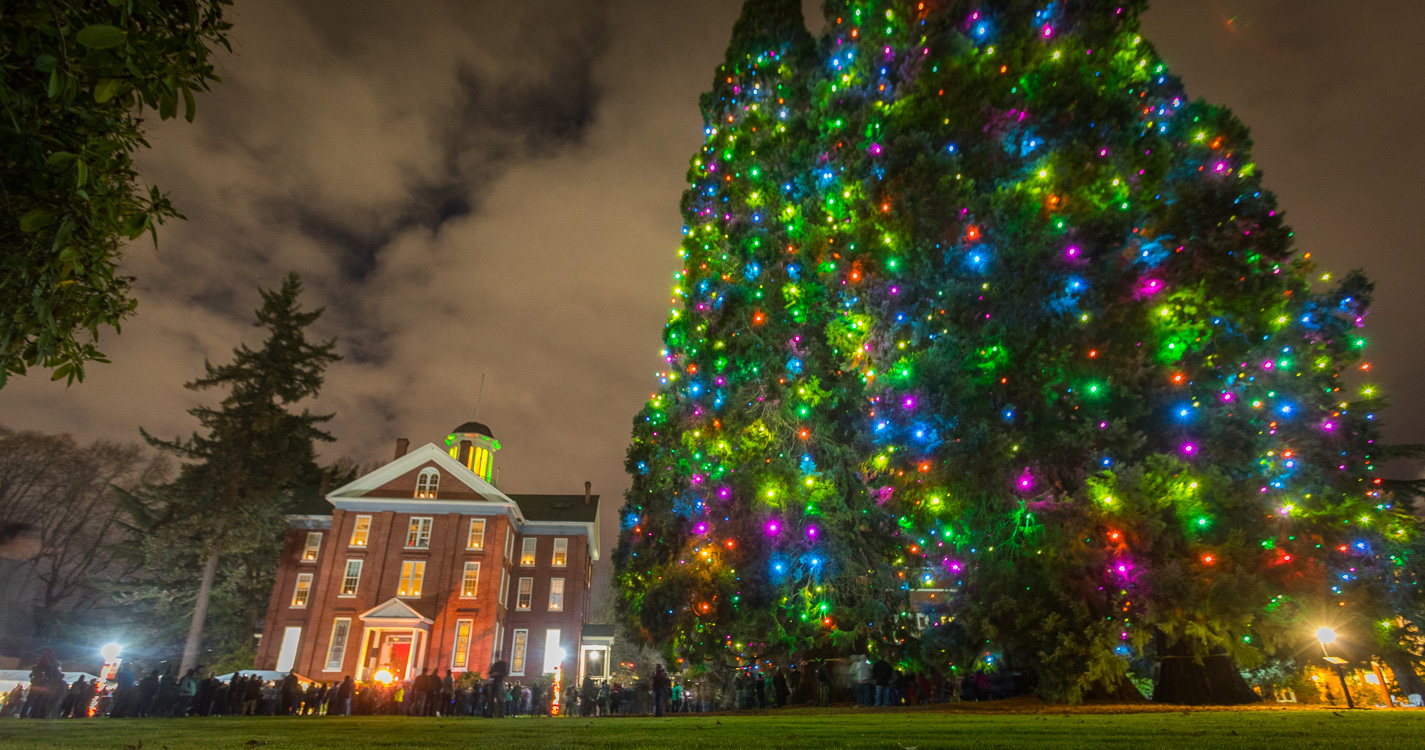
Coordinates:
[401,445]
[326,483]
[588,487]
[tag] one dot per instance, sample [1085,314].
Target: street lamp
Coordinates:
[111,651]
[1325,636]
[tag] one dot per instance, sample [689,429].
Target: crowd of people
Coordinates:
[196,693]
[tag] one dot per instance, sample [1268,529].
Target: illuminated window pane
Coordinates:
[477,534]
[303,591]
[340,629]
[561,553]
[427,483]
[360,531]
[527,551]
[517,652]
[556,595]
[413,572]
[470,583]
[352,579]
[525,595]
[462,645]
[418,534]
[313,547]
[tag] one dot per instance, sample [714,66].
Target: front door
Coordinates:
[395,654]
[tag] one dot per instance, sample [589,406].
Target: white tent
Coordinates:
[9,678]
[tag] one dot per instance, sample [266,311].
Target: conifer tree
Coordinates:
[1035,357]
[252,462]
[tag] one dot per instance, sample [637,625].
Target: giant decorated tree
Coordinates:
[989,348]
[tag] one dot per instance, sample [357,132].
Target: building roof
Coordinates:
[558,508]
[473,427]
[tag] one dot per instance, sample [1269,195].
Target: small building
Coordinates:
[425,564]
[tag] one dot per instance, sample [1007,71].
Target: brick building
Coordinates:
[424,563]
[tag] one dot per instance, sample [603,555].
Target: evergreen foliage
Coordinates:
[250,465]
[983,320]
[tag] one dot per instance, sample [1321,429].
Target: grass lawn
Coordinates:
[1049,728]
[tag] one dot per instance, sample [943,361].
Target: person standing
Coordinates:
[794,679]
[824,679]
[865,690]
[123,692]
[780,691]
[882,673]
[660,689]
[344,695]
[498,671]
[447,694]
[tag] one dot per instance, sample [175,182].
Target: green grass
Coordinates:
[1294,729]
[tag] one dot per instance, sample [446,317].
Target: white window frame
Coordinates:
[475,535]
[460,655]
[556,606]
[524,595]
[336,650]
[509,544]
[352,577]
[504,588]
[529,549]
[499,643]
[470,589]
[560,556]
[518,647]
[428,482]
[412,579]
[287,652]
[360,532]
[551,647]
[418,532]
[312,547]
[302,591]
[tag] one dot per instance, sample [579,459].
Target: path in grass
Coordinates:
[1276,730]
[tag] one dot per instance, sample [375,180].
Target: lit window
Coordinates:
[461,657]
[313,546]
[477,534]
[418,534]
[561,553]
[413,572]
[525,595]
[340,629]
[360,531]
[553,653]
[527,550]
[303,591]
[352,579]
[427,482]
[556,595]
[470,584]
[517,652]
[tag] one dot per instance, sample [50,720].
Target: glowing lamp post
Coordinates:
[556,690]
[1325,636]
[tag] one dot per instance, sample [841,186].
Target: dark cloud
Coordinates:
[479,187]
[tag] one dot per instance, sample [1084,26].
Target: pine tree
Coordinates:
[1006,318]
[222,518]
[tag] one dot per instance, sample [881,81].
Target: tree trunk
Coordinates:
[1214,682]
[200,614]
[1404,672]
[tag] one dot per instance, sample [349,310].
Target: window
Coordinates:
[412,574]
[303,590]
[352,579]
[504,588]
[418,534]
[476,540]
[470,583]
[509,544]
[553,654]
[517,652]
[360,531]
[561,553]
[337,650]
[312,547]
[427,482]
[556,595]
[461,658]
[527,550]
[499,643]
[526,593]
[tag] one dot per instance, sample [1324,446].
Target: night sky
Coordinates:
[492,188]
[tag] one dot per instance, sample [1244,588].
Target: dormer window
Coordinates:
[427,482]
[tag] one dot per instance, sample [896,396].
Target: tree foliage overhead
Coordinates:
[983,319]
[75,81]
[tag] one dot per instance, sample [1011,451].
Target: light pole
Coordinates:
[1325,636]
